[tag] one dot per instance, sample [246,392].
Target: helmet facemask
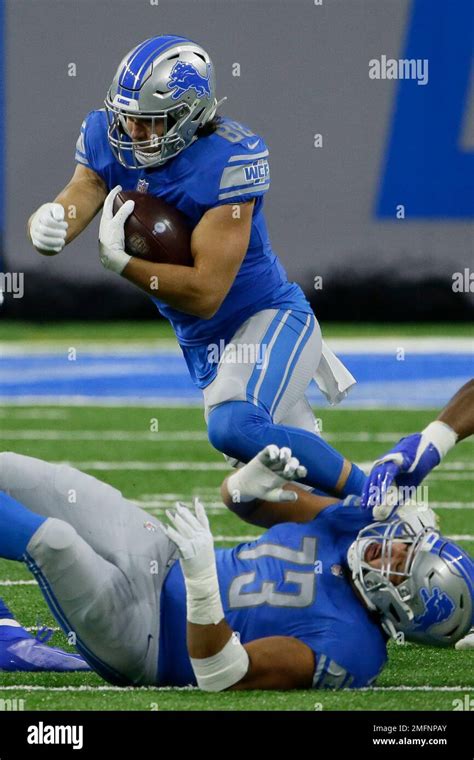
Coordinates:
[429,600]
[157,149]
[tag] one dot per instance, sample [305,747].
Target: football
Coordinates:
[155,231]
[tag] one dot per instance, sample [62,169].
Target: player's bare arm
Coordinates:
[52,226]
[218,245]
[276,662]
[459,412]
[262,492]
[415,456]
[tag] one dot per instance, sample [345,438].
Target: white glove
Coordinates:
[265,475]
[48,228]
[192,535]
[112,235]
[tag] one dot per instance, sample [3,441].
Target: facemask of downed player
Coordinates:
[420,583]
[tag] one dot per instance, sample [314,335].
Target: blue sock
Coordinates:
[17,526]
[4,611]
[240,430]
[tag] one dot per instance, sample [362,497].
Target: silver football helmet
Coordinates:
[169,82]
[430,598]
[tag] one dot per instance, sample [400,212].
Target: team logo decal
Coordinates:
[438,607]
[184,76]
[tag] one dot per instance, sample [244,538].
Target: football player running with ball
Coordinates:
[160,133]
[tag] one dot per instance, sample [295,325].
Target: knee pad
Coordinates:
[57,534]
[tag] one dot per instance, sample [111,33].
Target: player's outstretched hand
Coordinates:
[406,465]
[265,475]
[192,535]
[48,228]
[112,234]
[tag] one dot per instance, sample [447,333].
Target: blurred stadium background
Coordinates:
[86,365]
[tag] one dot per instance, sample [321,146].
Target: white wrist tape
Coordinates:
[203,598]
[441,436]
[223,669]
[116,261]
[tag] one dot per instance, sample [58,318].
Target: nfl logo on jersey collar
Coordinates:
[142,185]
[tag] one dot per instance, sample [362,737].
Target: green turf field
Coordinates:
[154,469]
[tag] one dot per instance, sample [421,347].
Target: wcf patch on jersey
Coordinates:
[257,173]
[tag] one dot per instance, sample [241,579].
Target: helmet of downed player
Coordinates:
[169,82]
[430,599]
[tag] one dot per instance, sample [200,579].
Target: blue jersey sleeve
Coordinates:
[235,168]
[81,156]
[346,516]
[92,147]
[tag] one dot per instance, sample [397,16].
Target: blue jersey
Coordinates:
[292,581]
[228,166]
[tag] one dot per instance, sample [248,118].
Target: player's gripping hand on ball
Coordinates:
[48,228]
[265,475]
[112,235]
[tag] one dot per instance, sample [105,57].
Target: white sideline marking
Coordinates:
[153,347]
[150,402]
[34,687]
[364,345]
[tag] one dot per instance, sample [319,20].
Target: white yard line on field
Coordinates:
[182,435]
[34,687]
[18,583]
[193,465]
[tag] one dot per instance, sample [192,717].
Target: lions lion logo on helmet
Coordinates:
[184,76]
[438,607]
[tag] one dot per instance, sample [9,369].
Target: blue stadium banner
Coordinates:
[3,116]
[426,167]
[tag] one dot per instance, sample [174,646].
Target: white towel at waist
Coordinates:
[332,378]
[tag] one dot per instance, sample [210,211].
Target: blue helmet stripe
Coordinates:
[141,57]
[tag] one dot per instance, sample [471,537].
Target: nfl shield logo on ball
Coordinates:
[137,244]
[159,228]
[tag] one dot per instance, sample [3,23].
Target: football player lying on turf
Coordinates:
[273,613]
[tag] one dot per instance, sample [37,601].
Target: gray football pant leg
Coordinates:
[101,562]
